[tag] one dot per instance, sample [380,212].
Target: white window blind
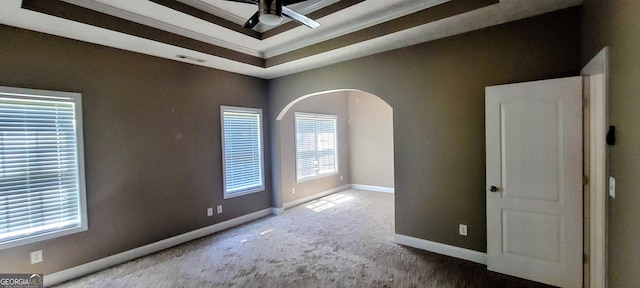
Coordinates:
[242,151]
[316,145]
[41,185]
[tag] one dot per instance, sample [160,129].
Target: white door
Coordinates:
[534,180]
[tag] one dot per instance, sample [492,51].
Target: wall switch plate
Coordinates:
[36,257]
[341,177]
[293,190]
[219,209]
[210,211]
[612,187]
[463,230]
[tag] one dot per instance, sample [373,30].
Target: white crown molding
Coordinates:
[505,11]
[217,11]
[214,10]
[382,15]
[305,8]
[12,14]
[353,26]
[137,18]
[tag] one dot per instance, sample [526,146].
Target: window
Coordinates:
[316,146]
[242,151]
[42,191]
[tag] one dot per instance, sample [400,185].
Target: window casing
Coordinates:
[42,183]
[316,146]
[242,152]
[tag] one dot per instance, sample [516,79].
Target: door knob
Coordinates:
[493,189]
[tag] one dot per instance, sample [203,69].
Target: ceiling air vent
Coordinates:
[191,58]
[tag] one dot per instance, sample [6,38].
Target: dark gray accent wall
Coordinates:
[436,91]
[616,24]
[152,143]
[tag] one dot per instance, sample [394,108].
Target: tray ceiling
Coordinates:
[209,32]
[238,13]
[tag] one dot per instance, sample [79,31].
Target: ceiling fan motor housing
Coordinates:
[270,11]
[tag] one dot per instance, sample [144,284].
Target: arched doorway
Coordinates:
[364,140]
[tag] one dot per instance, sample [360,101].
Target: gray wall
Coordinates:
[144,182]
[436,91]
[615,23]
[371,136]
[331,103]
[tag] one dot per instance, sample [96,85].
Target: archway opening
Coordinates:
[364,147]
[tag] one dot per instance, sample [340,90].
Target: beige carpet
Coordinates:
[342,240]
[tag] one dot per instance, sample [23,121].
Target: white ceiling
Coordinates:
[356,17]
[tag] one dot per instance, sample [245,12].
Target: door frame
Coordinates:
[596,92]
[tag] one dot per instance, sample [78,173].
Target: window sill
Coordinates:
[243,193]
[42,237]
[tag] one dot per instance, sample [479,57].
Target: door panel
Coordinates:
[534,158]
[525,123]
[531,235]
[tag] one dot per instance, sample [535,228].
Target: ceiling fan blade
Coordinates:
[289,2]
[299,17]
[244,1]
[253,21]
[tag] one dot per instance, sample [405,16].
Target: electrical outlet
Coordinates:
[219,209]
[293,190]
[341,177]
[463,230]
[36,257]
[210,211]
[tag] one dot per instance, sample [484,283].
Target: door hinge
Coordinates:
[585,180]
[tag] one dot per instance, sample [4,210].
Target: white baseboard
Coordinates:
[84,269]
[444,249]
[373,188]
[315,196]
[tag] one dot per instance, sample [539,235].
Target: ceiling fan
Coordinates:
[270,12]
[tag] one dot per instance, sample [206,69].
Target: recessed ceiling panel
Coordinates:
[349,28]
[239,12]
